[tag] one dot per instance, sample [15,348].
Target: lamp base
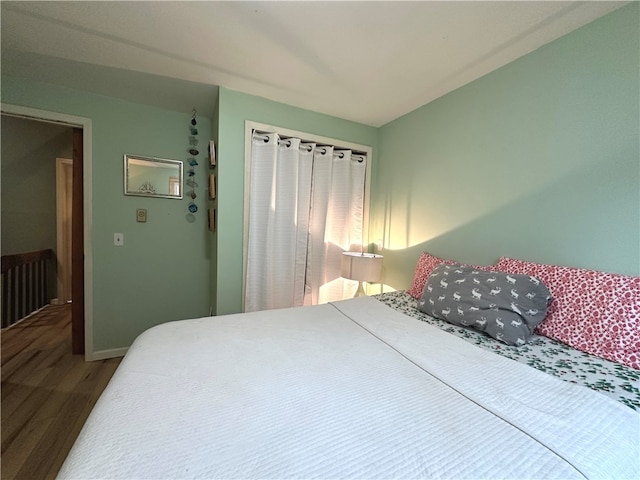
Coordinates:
[360,291]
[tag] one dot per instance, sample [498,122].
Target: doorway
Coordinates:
[80,251]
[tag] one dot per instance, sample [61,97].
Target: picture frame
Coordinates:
[212,154]
[212,219]
[153,177]
[212,186]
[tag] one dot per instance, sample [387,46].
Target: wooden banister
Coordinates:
[25,284]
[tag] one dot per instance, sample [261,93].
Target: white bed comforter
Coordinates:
[348,390]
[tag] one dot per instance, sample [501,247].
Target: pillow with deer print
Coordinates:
[506,306]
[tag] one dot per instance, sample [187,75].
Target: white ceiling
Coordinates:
[367,61]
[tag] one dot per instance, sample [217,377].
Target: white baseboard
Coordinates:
[105,354]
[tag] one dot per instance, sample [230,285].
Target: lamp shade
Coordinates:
[363,267]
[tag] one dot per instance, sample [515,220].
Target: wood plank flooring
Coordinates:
[47,394]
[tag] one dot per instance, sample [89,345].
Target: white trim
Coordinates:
[85,124]
[249,126]
[110,353]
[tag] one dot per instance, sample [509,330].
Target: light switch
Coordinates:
[118,239]
[141,215]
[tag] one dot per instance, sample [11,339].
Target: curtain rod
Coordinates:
[265,137]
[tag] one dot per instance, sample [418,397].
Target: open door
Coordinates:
[77,248]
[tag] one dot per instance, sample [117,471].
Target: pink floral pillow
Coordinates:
[596,312]
[426,263]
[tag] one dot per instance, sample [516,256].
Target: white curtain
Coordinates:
[305,209]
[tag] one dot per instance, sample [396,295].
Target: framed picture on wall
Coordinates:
[212,219]
[212,154]
[212,186]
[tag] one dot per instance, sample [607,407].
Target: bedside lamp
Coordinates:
[363,267]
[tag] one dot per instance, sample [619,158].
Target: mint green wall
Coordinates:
[235,108]
[538,160]
[162,271]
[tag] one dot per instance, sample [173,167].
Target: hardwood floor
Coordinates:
[47,393]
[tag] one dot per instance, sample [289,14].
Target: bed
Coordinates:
[363,388]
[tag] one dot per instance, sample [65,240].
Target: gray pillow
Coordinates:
[506,306]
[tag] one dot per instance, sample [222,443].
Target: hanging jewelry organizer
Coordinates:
[193,161]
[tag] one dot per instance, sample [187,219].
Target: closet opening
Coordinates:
[306,203]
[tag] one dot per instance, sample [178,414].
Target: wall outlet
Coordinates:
[118,239]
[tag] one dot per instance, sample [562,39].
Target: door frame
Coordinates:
[64,190]
[84,124]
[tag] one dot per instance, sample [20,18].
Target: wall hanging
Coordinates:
[212,154]
[152,177]
[212,186]
[193,161]
[212,219]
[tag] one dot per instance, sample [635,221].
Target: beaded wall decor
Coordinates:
[193,161]
[212,187]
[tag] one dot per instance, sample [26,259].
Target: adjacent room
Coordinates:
[303,233]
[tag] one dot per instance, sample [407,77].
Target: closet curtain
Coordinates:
[305,209]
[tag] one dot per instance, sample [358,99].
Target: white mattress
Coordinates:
[352,389]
